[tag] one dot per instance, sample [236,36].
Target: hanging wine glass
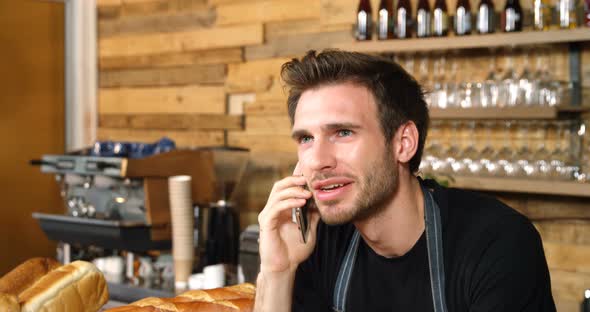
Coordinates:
[524,154]
[487,152]
[501,163]
[434,158]
[489,88]
[454,151]
[469,155]
[435,93]
[453,85]
[525,85]
[443,96]
[541,154]
[572,161]
[424,79]
[557,156]
[510,86]
[541,83]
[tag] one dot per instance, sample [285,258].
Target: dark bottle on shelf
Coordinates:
[587,13]
[511,18]
[423,19]
[403,19]
[385,23]
[364,21]
[485,23]
[462,25]
[440,19]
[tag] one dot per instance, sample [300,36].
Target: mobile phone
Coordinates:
[301,219]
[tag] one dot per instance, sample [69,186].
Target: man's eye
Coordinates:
[305,139]
[344,133]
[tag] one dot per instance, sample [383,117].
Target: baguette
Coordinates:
[224,293]
[25,275]
[238,298]
[78,286]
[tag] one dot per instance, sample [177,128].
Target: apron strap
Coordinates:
[435,251]
[341,288]
[433,226]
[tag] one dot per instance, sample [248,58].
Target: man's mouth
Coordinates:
[331,187]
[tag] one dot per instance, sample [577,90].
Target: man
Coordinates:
[387,241]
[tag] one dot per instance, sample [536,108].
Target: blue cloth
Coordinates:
[132,149]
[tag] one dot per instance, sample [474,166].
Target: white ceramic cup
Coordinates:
[196,281]
[214,276]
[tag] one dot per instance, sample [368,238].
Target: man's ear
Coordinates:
[406,142]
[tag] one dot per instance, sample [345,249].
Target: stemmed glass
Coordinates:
[423,78]
[469,155]
[487,152]
[563,161]
[501,162]
[584,172]
[571,135]
[555,88]
[523,154]
[465,94]
[423,73]
[556,158]
[489,88]
[509,87]
[541,93]
[454,151]
[440,84]
[434,160]
[409,64]
[436,86]
[452,85]
[542,155]
[525,84]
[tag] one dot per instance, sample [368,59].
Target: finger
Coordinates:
[297,170]
[288,182]
[271,217]
[292,192]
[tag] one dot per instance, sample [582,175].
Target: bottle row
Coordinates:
[400,22]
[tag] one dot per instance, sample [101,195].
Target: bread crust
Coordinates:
[238,298]
[78,286]
[26,274]
[9,303]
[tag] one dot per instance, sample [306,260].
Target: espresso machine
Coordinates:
[121,204]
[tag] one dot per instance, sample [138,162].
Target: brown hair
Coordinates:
[398,96]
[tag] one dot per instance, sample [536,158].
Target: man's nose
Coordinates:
[321,156]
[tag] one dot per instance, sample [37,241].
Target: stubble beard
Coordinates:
[375,190]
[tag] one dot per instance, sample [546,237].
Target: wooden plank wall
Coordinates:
[205,72]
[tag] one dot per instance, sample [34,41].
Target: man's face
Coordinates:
[350,169]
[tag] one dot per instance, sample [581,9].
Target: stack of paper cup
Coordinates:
[181,210]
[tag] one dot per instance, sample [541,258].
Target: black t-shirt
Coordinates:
[493,260]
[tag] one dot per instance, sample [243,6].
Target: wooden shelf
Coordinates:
[473,41]
[505,113]
[547,187]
